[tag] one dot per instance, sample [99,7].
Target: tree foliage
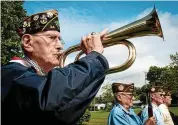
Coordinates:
[167,76]
[107,95]
[174,59]
[106,98]
[154,74]
[84,120]
[12,14]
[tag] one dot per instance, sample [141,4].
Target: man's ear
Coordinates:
[119,97]
[152,95]
[27,41]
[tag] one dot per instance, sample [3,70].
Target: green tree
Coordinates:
[174,59]
[174,72]
[12,14]
[143,93]
[137,92]
[167,76]
[107,94]
[154,74]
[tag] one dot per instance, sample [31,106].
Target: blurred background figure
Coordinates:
[156,94]
[122,113]
[164,107]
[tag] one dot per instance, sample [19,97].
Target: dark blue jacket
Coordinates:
[60,98]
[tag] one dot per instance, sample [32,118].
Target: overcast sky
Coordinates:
[80,18]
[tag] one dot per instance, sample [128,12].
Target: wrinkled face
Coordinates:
[158,97]
[126,99]
[47,48]
[167,100]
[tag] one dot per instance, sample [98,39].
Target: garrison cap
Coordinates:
[155,89]
[43,21]
[122,87]
[167,91]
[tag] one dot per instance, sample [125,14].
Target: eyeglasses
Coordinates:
[161,94]
[52,38]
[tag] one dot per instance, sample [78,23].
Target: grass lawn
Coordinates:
[174,110]
[100,117]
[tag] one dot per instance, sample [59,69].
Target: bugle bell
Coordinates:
[147,26]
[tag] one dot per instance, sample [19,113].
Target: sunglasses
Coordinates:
[161,95]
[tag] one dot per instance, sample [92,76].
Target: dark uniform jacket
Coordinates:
[60,98]
[174,118]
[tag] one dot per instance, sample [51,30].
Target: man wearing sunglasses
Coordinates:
[164,107]
[122,113]
[157,95]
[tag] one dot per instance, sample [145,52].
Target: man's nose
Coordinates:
[59,43]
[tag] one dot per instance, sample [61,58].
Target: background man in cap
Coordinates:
[156,94]
[33,91]
[122,114]
[164,107]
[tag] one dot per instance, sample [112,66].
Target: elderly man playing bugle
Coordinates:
[34,91]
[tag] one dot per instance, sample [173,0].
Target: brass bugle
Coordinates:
[147,26]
